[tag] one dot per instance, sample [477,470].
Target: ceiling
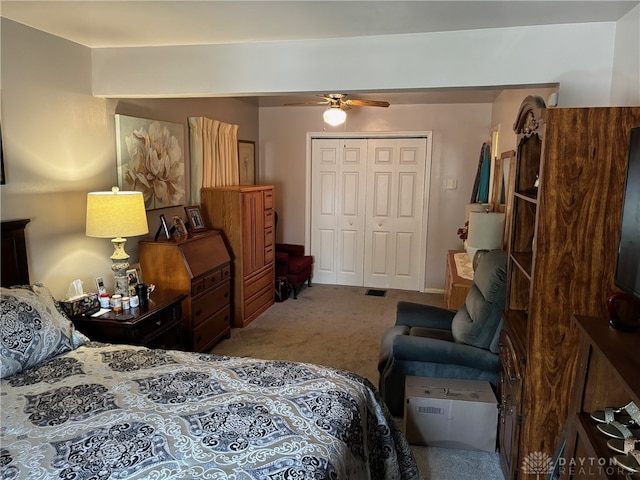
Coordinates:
[116,23]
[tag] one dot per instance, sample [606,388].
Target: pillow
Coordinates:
[32,329]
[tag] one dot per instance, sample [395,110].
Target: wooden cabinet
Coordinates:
[245,215]
[200,268]
[156,324]
[570,174]
[456,288]
[607,376]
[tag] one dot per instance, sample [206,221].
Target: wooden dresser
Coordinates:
[565,227]
[245,215]
[200,268]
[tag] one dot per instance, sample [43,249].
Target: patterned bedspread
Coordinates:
[123,412]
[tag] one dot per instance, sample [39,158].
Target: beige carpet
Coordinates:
[341,327]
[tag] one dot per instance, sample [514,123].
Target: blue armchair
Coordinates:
[429,341]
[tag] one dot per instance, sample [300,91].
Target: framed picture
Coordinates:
[154,151]
[181,228]
[247,162]
[195,218]
[165,227]
[133,278]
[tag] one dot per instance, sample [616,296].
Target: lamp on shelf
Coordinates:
[486,230]
[116,215]
[334,115]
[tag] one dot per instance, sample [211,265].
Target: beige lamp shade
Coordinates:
[116,214]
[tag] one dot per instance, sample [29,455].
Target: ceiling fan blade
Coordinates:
[366,103]
[306,103]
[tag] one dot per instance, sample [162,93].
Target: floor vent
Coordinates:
[376,293]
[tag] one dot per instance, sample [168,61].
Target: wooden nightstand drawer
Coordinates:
[220,323]
[161,321]
[168,340]
[207,304]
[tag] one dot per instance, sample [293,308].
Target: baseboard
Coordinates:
[433,290]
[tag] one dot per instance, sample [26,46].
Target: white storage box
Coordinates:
[449,413]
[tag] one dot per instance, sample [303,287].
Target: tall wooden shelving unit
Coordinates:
[245,216]
[571,165]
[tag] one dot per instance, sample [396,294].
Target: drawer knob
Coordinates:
[159,322]
[226,294]
[198,312]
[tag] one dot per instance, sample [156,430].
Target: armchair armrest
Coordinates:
[422,349]
[419,315]
[293,250]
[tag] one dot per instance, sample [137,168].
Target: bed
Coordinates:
[76,409]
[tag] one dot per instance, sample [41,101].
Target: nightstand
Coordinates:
[157,324]
[456,287]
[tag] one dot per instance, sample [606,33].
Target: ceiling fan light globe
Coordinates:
[334,116]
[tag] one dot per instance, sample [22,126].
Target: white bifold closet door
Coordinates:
[367,212]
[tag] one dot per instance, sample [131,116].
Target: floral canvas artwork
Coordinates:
[150,155]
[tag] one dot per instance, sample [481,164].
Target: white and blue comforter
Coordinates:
[123,412]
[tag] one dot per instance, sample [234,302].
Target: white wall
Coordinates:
[455,154]
[625,87]
[578,56]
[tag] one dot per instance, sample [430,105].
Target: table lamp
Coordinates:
[116,215]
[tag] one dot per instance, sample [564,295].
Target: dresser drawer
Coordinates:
[268,237]
[205,305]
[268,254]
[211,328]
[255,303]
[197,286]
[268,199]
[259,282]
[268,218]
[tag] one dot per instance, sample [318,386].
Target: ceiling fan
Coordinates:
[340,100]
[338,103]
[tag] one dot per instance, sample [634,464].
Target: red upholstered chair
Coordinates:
[291,262]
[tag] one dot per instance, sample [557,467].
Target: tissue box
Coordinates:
[86,304]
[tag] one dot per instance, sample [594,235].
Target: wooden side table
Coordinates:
[456,287]
[157,324]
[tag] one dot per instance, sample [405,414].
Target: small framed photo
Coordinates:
[247,162]
[195,218]
[181,228]
[133,278]
[164,227]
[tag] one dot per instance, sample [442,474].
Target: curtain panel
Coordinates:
[214,155]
